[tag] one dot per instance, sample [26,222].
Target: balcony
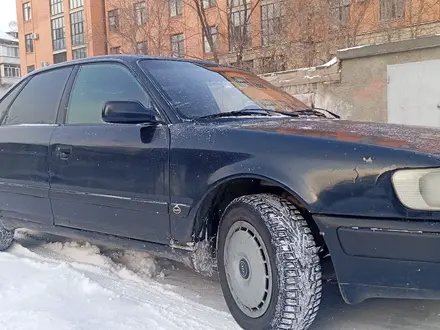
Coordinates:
[9,81]
[9,60]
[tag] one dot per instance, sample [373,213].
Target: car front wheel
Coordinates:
[269,268]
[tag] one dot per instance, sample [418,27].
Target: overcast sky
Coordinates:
[7,13]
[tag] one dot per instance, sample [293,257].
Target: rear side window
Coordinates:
[38,101]
[6,101]
[97,84]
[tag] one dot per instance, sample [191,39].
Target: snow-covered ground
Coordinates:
[49,283]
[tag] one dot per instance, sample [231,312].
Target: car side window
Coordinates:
[97,84]
[7,99]
[38,102]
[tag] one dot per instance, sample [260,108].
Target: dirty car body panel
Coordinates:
[378,247]
[339,172]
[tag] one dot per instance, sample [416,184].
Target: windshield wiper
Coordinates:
[244,112]
[317,112]
[270,112]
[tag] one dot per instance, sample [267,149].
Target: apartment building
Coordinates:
[53,31]
[9,61]
[261,35]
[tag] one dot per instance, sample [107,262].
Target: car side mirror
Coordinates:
[127,112]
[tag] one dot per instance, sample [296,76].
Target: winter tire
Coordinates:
[6,238]
[269,268]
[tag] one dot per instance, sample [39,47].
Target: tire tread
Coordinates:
[300,278]
[6,238]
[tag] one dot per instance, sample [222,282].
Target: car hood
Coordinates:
[415,138]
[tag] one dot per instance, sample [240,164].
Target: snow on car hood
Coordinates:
[417,138]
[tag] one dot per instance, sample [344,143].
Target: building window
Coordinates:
[177,45]
[9,51]
[76,4]
[140,11]
[209,3]
[56,7]
[240,25]
[60,57]
[58,34]
[392,9]
[79,53]
[270,23]
[30,68]
[175,7]
[12,71]
[339,13]
[27,12]
[29,43]
[214,34]
[115,50]
[113,20]
[77,27]
[142,47]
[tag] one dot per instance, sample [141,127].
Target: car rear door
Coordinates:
[110,178]
[28,116]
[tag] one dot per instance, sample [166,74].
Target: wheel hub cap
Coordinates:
[248,269]
[244,268]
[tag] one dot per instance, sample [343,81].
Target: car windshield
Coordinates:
[198,90]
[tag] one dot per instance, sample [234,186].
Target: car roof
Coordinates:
[125,59]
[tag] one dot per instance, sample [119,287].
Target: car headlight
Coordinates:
[418,189]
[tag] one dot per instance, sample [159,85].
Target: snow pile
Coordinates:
[64,285]
[351,48]
[128,264]
[333,61]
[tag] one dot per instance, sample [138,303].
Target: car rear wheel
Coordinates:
[268,264]
[6,238]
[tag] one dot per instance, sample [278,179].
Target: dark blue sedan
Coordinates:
[216,168]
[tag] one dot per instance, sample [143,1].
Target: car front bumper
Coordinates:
[380,258]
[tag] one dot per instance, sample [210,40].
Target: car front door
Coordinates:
[110,178]
[28,115]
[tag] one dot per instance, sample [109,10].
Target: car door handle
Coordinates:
[63,152]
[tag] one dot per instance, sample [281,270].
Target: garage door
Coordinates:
[414,93]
